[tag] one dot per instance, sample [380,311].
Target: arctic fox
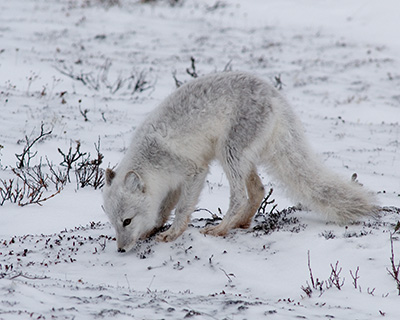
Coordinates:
[241,121]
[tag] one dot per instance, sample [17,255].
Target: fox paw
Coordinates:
[216,231]
[167,236]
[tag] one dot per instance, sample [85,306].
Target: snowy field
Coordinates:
[91,70]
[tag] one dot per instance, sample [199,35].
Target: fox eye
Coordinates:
[126,222]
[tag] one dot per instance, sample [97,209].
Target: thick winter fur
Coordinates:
[241,121]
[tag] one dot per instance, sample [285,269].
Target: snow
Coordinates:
[338,61]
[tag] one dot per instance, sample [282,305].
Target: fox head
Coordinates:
[128,207]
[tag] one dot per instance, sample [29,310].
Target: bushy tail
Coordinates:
[291,161]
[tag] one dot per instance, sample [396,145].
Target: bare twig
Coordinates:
[278,82]
[321,286]
[84,113]
[26,276]
[70,158]
[192,70]
[31,183]
[371,291]
[85,78]
[395,269]
[265,202]
[335,278]
[10,191]
[315,283]
[32,190]
[25,157]
[355,277]
[178,83]
[273,220]
[135,83]
[310,270]
[228,66]
[141,84]
[59,177]
[214,217]
[229,276]
[35,197]
[89,173]
[307,290]
[33,176]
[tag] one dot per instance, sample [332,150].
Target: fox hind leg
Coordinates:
[246,190]
[241,210]
[255,193]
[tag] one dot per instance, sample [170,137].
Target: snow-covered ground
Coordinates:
[64,60]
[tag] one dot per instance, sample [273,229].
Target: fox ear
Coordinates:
[134,182]
[110,175]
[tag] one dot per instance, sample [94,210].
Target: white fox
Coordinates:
[241,121]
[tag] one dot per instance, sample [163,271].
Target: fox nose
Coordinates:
[121,250]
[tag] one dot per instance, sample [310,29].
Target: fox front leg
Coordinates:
[177,228]
[189,197]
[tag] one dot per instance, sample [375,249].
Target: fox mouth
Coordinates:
[127,247]
[124,249]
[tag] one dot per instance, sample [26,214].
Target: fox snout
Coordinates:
[125,248]
[124,243]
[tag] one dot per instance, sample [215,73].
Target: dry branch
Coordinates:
[25,157]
